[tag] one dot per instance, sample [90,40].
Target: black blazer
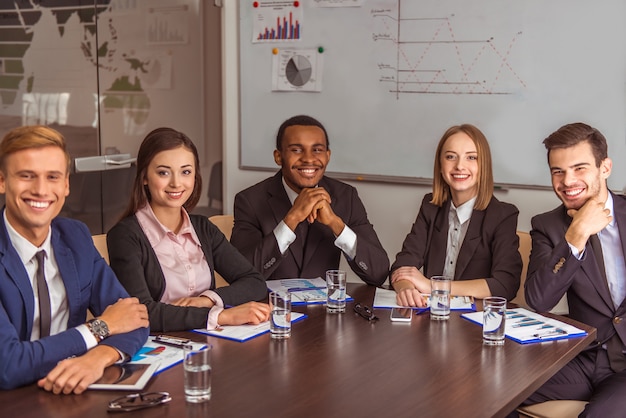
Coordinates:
[261,207]
[489,250]
[554,271]
[138,269]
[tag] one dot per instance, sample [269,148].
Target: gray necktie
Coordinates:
[44,297]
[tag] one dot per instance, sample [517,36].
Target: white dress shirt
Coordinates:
[459,220]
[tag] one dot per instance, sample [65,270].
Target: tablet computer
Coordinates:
[127,376]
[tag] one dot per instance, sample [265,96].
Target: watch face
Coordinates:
[100,328]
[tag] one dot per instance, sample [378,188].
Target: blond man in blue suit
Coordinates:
[52,343]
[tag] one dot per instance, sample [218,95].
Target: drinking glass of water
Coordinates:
[494,316]
[280,316]
[440,297]
[197,366]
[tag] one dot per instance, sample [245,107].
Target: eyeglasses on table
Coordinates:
[136,401]
[365,311]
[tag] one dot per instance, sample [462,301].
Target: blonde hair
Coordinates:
[27,137]
[441,189]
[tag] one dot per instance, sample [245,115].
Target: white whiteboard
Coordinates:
[398,73]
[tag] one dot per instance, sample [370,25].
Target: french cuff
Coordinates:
[217,300]
[211,322]
[575,252]
[284,236]
[346,241]
[88,337]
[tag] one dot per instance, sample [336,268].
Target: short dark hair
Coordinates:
[301,120]
[573,134]
[161,139]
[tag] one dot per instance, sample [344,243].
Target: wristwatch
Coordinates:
[98,328]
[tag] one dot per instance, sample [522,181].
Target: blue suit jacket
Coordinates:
[89,283]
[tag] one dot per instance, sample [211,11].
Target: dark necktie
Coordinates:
[614,345]
[44,297]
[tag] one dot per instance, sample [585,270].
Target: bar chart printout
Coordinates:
[276,21]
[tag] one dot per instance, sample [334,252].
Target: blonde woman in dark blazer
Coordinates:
[461,229]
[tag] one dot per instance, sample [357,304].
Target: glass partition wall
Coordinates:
[104,73]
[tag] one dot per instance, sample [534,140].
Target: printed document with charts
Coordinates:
[387,299]
[246,332]
[303,291]
[524,326]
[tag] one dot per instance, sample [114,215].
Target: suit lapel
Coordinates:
[470,243]
[590,266]
[619,212]
[438,244]
[67,270]
[16,272]
[279,204]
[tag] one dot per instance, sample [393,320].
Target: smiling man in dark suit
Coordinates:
[298,222]
[578,249]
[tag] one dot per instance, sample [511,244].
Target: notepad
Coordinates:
[525,327]
[246,332]
[303,291]
[387,299]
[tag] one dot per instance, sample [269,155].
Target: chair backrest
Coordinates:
[524,250]
[100,241]
[225,223]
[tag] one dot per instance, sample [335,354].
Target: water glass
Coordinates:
[197,369]
[336,291]
[440,297]
[494,318]
[280,317]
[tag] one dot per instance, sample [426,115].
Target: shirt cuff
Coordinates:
[575,252]
[91,342]
[346,241]
[217,300]
[211,322]
[88,337]
[284,236]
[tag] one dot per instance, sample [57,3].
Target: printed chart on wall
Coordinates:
[397,73]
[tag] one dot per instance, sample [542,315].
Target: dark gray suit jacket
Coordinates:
[261,207]
[489,250]
[553,271]
[138,269]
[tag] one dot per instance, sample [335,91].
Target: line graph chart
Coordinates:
[447,53]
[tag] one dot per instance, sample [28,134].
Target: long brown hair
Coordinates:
[161,139]
[441,189]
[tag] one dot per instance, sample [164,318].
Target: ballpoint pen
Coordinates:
[304,289]
[527,324]
[553,333]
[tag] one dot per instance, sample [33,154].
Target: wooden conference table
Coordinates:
[342,364]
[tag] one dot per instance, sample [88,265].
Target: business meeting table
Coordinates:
[342,365]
